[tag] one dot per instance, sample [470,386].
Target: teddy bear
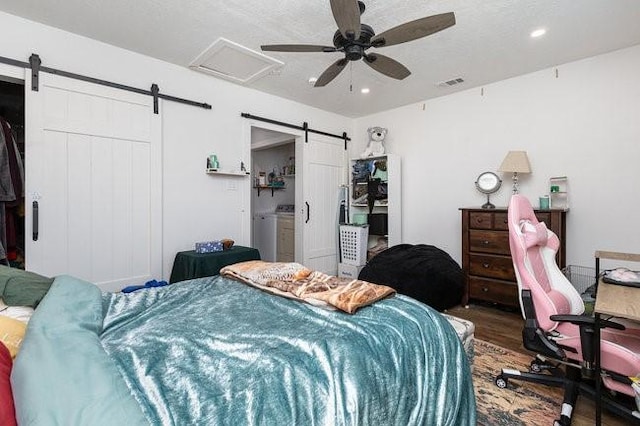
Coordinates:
[376,142]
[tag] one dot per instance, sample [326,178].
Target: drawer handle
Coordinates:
[485,289]
[479,220]
[486,265]
[486,242]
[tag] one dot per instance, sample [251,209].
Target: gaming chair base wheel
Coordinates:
[501,381]
[535,367]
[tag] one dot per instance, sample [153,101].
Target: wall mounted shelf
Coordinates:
[271,187]
[226,172]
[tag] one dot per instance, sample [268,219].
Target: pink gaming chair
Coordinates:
[555,328]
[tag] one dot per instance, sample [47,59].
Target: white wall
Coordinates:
[585,124]
[196,206]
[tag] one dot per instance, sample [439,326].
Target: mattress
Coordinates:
[465,330]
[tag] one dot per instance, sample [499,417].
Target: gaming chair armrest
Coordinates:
[583,320]
[587,335]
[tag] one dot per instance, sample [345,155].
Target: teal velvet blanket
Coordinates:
[213,351]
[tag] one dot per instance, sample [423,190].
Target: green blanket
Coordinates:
[22,288]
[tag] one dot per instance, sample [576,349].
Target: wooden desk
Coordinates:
[189,264]
[617,301]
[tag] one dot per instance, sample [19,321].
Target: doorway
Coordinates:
[273,194]
[12,155]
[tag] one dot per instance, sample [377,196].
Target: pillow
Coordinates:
[11,334]
[7,409]
[21,313]
[534,235]
[22,288]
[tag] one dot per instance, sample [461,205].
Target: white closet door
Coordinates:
[93,164]
[324,161]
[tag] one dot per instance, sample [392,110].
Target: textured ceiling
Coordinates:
[490,41]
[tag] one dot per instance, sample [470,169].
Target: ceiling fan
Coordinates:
[353,39]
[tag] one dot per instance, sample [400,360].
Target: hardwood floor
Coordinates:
[504,328]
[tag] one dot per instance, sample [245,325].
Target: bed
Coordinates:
[215,351]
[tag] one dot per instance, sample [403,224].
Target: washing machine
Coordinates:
[265,235]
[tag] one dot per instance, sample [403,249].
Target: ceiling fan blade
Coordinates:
[387,66]
[347,16]
[330,73]
[414,30]
[296,48]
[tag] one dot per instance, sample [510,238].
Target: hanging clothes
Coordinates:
[6,186]
[16,168]
[11,190]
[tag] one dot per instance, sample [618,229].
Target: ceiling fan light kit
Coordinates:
[354,38]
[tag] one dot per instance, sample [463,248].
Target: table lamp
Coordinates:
[515,162]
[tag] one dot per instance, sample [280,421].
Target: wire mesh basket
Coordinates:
[353,244]
[583,278]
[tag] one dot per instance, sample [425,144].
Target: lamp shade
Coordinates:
[515,162]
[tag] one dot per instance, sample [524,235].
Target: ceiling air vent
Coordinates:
[451,82]
[231,61]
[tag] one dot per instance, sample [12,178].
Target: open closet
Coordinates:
[12,150]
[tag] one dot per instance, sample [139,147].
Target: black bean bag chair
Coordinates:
[423,272]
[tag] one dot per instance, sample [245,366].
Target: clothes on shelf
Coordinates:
[11,192]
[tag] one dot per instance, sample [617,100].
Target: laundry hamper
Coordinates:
[583,278]
[353,244]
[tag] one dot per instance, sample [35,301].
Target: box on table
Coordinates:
[349,271]
[209,246]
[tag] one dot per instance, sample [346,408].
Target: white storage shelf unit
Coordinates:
[393,203]
[559,192]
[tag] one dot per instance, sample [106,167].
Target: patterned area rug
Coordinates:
[521,403]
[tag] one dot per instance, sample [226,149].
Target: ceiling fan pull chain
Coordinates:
[351,77]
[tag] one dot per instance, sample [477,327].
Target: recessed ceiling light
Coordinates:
[365,90]
[312,80]
[538,33]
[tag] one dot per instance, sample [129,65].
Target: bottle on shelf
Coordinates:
[292,166]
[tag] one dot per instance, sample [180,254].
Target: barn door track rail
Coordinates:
[35,64]
[304,127]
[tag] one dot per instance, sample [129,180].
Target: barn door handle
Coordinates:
[34,228]
[308,212]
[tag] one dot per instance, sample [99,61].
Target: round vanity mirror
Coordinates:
[488,183]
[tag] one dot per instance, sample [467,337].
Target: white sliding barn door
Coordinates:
[324,162]
[93,164]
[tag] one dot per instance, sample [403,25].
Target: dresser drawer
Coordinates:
[544,217]
[489,242]
[480,220]
[501,221]
[490,266]
[495,291]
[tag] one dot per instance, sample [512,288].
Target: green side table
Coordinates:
[189,264]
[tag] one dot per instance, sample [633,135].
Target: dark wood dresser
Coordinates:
[486,258]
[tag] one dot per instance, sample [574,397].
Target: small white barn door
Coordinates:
[324,162]
[94,168]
